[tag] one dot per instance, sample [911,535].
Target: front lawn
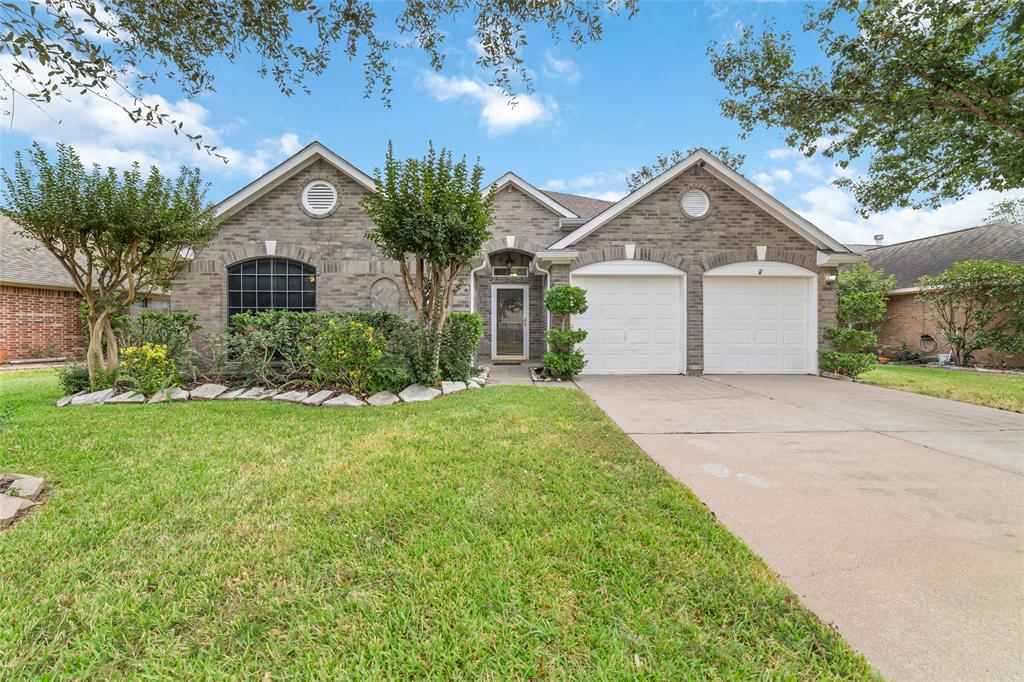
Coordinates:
[508,533]
[1005,391]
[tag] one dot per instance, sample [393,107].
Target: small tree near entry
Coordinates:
[564,361]
[979,304]
[431,216]
[118,236]
[863,292]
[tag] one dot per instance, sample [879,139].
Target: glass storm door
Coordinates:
[510,321]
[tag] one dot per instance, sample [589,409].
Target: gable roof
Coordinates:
[731,178]
[542,198]
[305,157]
[584,207]
[932,255]
[24,261]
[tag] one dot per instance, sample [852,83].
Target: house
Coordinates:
[697,271]
[908,320]
[40,309]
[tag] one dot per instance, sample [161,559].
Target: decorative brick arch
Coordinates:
[259,250]
[808,261]
[642,253]
[518,244]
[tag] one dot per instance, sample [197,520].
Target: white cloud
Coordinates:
[498,113]
[833,210]
[556,185]
[560,69]
[607,195]
[101,132]
[769,180]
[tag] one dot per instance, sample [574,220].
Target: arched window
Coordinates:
[271,284]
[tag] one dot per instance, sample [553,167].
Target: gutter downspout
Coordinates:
[547,285]
[472,283]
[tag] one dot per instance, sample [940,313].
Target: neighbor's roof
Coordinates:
[932,255]
[24,262]
[584,207]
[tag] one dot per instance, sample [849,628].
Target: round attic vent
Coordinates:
[319,197]
[696,203]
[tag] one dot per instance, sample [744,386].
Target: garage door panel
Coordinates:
[634,324]
[755,324]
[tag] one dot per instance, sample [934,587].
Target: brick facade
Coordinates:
[908,319]
[729,233]
[348,264]
[40,323]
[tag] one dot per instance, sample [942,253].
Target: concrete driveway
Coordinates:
[898,518]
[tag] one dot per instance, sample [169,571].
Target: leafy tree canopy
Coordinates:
[647,173]
[863,293]
[76,45]
[433,217]
[1006,211]
[931,90]
[118,236]
[979,304]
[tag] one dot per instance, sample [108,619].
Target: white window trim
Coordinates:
[777,269]
[682,366]
[494,322]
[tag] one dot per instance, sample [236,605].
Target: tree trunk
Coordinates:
[102,357]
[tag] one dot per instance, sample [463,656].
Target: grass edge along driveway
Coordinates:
[990,389]
[509,533]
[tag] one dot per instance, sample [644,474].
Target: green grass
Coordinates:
[1005,391]
[509,533]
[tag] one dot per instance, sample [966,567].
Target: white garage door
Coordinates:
[634,324]
[756,325]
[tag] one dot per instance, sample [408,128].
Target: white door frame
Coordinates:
[640,268]
[526,321]
[779,269]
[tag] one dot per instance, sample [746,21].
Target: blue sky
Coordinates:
[594,115]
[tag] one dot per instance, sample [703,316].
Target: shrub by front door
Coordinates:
[510,317]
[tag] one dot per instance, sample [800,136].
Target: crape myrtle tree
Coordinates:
[431,216]
[978,304]
[932,91]
[116,47]
[118,235]
[862,292]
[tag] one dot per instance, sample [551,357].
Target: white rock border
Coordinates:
[411,394]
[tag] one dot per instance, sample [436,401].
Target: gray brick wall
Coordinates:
[729,233]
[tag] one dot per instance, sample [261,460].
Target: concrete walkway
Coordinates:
[898,518]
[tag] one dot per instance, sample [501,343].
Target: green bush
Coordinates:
[459,340]
[173,330]
[849,340]
[150,367]
[73,377]
[265,345]
[847,364]
[344,353]
[564,361]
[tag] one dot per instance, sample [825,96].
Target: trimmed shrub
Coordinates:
[459,340]
[847,364]
[849,340]
[149,367]
[73,377]
[172,330]
[266,344]
[345,353]
[564,360]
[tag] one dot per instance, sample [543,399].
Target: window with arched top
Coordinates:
[271,284]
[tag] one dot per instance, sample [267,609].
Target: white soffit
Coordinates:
[755,194]
[280,173]
[532,192]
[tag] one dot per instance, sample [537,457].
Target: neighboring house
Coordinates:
[40,310]
[697,271]
[908,320]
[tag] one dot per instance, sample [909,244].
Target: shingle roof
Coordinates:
[23,261]
[584,207]
[931,255]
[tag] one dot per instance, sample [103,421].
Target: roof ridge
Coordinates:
[946,234]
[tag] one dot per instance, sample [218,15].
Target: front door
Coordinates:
[510,322]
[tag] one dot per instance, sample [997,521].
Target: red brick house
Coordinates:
[39,307]
[908,321]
